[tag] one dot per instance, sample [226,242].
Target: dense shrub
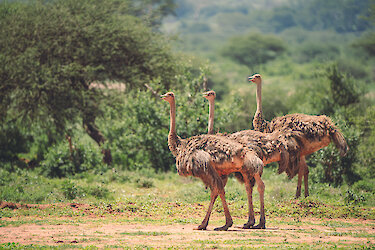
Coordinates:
[138,133]
[12,142]
[60,162]
[311,51]
[253,49]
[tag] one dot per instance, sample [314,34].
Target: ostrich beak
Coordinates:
[205,94]
[162,96]
[251,78]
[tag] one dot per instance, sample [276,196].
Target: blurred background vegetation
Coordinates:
[79,83]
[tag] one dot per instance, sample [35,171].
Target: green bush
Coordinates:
[138,135]
[59,162]
[70,190]
[317,51]
[12,142]
[26,186]
[253,49]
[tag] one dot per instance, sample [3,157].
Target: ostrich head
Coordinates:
[168,96]
[209,95]
[256,78]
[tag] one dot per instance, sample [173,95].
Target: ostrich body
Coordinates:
[269,147]
[212,158]
[317,132]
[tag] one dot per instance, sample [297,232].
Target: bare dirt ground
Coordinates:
[102,232]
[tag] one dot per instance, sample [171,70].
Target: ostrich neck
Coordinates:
[259,123]
[211,117]
[172,114]
[259,98]
[173,139]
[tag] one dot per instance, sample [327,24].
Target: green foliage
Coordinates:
[12,142]
[253,49]
[138,133]
[60,162]
[343,16]
[70,190]
[329,167]
[310,51]
[28,186]
[343,91]
[24,186]
[139,129]
[366,152]
[340,101]
[366,43]
[58,56]
[353,198]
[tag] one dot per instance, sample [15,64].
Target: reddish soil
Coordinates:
[99,231]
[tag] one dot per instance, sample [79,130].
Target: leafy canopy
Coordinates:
[253,49]
[51,54]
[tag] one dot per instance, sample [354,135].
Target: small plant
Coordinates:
[70,190]
[145,183]
[97,191]
[352,197]
[60,162]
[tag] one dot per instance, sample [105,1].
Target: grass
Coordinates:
[177,202]
[162,193]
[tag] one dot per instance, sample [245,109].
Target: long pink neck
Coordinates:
[211,116]
[259,123]
[173,139]
[172,114]
[259,98]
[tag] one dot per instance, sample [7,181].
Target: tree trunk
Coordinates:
[93,131]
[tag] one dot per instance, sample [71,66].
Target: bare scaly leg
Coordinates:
[208,181]
[249,190]
[216,185]
[260,184]
[301,172]
[228,218]
[203,225]
[305,175]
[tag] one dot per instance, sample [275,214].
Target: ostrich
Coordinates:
[270,147]
[212,158]
[210,96]
[318,132]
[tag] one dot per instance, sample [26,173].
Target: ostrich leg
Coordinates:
[301,172]
[249,189]
[305,175]
[260,184]
[216,185]
[203,225]
[228,218]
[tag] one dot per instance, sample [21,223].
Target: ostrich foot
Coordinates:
[201,227]
[224,228]
[248,225]
[298,194]
[259,226]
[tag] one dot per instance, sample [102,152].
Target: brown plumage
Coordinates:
[317,132]
[269,147]
[212,158]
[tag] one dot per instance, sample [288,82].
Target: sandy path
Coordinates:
[311,232]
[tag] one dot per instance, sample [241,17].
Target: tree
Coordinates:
[153,11]
[253,49]
[53,54]
[367,41]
